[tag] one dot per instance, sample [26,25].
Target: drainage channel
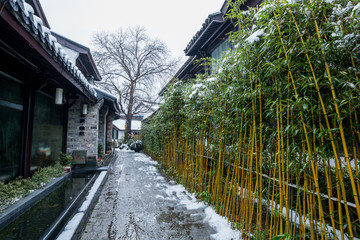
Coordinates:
[48,217]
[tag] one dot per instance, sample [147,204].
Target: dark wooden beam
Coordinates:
[28,129]
[12,52]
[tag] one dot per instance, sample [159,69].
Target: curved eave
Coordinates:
[209,26]
[28,25]
[179,74]
[84,54]
[109,100]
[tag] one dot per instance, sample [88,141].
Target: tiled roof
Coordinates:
[102,94]
[84,55]
[212,22]
[189,62]
[24,13]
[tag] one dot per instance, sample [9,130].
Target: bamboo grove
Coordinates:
[271,137]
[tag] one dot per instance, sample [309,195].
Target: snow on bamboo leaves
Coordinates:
[271,138]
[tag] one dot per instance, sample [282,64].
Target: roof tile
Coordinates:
[25,14]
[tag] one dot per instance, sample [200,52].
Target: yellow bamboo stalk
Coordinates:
[208,155]
[241,211]
[243,185]
[311,206]
[329,185]
[192,164]
[278,119]
[298,210]
[251,189]
[358,134]
[259,220]
[342,134]
[272,202]
[320,209]
[248,189]
[235,189]
[226,196]
[227,203]
[287,190]
[341,224]
[217,178]
[185,161]
[303,123]
[328,126]
[304,202]
[235,193]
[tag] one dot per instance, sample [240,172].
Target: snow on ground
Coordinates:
[159,196]
[120,167]
[217,222]
[221,225]
[177,192]
[125,148]
[145,159]
[149,169]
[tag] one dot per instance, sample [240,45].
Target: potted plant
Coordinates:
[100,152]
[65,161]
[108,147]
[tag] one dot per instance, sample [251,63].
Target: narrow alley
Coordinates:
[138,201]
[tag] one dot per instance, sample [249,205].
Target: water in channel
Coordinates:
[34,223]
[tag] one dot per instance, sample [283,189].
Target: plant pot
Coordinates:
[67,169]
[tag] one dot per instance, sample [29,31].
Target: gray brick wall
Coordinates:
[83,130]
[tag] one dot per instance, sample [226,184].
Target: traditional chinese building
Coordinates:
[48,104]
[211,41]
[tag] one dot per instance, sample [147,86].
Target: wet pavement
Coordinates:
[138,202]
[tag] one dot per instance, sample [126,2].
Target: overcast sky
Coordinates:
[174,22]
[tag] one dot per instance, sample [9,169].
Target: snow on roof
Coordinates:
[104,91]
[213,19]
[28,9]
[120,123]
[26,12]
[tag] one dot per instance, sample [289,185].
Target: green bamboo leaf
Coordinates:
[284,236]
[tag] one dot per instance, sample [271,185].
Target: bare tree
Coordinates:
[133,67]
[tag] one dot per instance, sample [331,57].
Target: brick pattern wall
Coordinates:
[83,129]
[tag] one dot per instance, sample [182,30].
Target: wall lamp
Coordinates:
[59,96]
[84,108]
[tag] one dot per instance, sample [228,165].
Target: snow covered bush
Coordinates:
[135,145]
[131,144]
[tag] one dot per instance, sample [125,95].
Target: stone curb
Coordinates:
[81,227]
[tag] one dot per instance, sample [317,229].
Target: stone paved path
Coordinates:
[137,202]
[99,224]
